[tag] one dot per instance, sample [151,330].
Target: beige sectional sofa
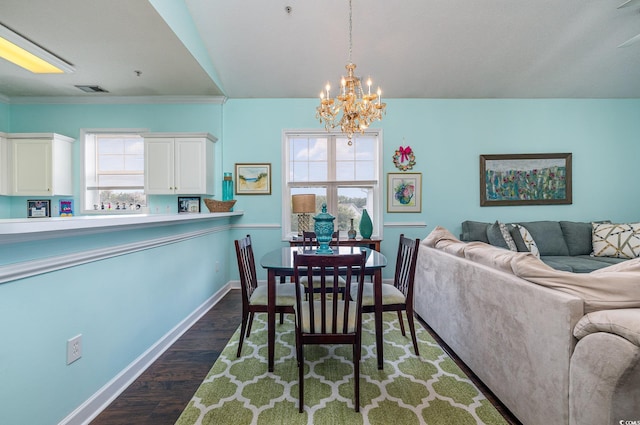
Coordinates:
[555,347]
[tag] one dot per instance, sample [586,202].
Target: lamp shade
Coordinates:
[305,203]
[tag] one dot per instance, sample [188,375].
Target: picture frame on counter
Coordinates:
[189,204]
[38,208]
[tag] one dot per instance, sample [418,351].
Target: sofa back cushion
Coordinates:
[474,231]
[548,237]
[578,236]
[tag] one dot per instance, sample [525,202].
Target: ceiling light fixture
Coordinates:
[22,52]
[359,109]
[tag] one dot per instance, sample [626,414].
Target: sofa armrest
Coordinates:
[624,322]
[605,368]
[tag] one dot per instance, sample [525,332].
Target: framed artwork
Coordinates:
[66,207]
[253,179]
[525,179]
[404,192]
[39,208]
[188,204]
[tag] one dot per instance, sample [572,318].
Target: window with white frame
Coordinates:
[113,175]
[345,177]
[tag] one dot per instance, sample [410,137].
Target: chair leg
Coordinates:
[243,327]
[250,323]
[300,378]
[281,318]
[401,322]
[412,328]
[356,375]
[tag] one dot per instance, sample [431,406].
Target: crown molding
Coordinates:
[111,100]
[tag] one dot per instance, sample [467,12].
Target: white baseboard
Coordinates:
[92,407]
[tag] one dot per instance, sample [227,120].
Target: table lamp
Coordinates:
[303,205]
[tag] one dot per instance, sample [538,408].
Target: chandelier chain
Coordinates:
[350,31]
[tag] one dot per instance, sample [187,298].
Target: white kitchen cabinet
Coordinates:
[4,165]
[179,163]
[40,164]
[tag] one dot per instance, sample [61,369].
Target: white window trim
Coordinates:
[376,215]
[83,180]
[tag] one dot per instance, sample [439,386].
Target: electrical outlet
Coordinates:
[74,349]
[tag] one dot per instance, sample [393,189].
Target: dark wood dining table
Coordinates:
[279,263]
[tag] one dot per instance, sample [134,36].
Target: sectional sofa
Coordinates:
[556,347]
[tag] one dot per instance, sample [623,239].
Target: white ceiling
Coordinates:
[412,49]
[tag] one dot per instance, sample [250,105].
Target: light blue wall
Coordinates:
[4,116]
[447,137]
[122,314]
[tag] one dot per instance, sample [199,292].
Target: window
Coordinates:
[346,178]
[113,171]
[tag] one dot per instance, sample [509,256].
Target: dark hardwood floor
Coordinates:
[162,392]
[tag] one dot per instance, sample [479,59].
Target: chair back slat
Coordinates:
[325,299]
[246,266]
[406,265]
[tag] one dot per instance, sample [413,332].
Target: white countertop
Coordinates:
[24,229]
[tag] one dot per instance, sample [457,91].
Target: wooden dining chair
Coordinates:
[326,318]
[254,296]
[399,296]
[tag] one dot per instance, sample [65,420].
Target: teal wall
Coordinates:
[447,137]
[122,313]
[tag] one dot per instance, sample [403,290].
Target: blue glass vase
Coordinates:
[366,226]
[323,227]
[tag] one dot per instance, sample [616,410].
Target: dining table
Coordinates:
[279,263]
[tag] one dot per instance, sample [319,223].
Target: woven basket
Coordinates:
[219,206]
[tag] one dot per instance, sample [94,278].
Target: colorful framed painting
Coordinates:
[253,179]
[404,192]
[188,204]
[525,179]
[40,208]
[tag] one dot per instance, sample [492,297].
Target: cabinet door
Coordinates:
[190,166]
[4,166]
[158,164]
[31,167]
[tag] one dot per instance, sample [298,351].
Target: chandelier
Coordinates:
[359,108]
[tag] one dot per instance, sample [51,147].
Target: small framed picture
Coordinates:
[66,207]
[39,208]
[404,192]
[190,204]
[253,179]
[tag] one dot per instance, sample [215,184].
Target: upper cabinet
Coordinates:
[4,165]
[40,164]
[179,163]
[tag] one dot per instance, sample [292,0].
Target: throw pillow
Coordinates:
[507,237]
[616,240]
[494,235]
[527,239]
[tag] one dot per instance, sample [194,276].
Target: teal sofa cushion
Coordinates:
[474,231]
[548,237]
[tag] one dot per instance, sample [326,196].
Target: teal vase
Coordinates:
[366,226]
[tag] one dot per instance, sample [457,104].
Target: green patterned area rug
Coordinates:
[430,389]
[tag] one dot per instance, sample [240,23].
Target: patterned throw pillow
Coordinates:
[507,237]
[528,240]
[616,240]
